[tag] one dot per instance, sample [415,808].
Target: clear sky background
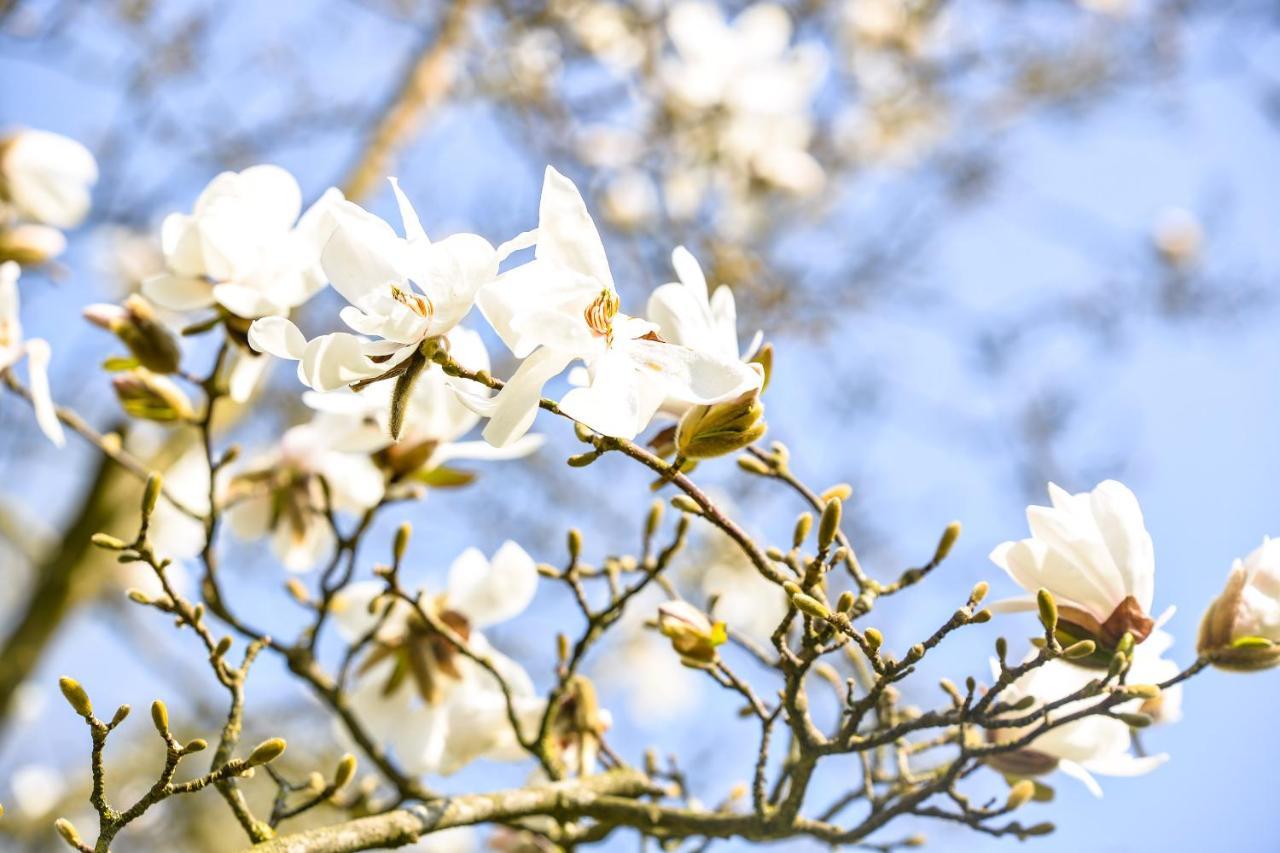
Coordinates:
[903,398]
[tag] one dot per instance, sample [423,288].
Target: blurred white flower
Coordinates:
[1093,553]
[37,789]
[1094,744]
[280,492]
[46,177]
[456,839]
[436,708]
[31,244]
[376,271]
[1178,236]
[36,350]
[562,306]
[1241,628]
[630,199]
[243,246]
[1149,666]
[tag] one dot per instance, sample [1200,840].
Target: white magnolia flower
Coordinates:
[758,87]
[1094,744]
[1093,553]
[434,424]
[562,306]
[280,492]
[37,789]
[402,290]
[46,177]
[1242,626]
[1150,666]
[243,246]
[36,350]
[687,313]
[437,709]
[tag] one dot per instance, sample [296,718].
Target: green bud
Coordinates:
[68,832]
[1082,649]
[76,696]
[979,592]
[949,537]
[844,603]
[120,714]
[160,716]
[764,358]
[1020,794]
[752,465]
[345,772]
[1142,691]
[915,653]
[1119,662]
[152,397]
[874,638]
[582,460]
[792,589]
[1135,721]
[705,432]
[574,540]
[403,390]
[266,752]
[110,543]
[843,491]
[981,617]
[684,503]
[151,493]
[1126,643]
[654,519]
[401,544]
[1048,610]
[804,523]
[1023,704]
[197,745]
[812,606]
[829,526]
[1039,829]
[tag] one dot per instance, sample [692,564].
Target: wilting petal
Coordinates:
[492,591]
[38,355]
[513,409]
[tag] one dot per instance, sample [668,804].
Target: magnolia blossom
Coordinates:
[759,87]
[280,493]
[1091,745]
[1241,629]
[46,177]
[243,246]
[1150,666]
[687,313]
[437,709]
[1093,553]
[402,290]
[435,421]
[562,306]
[36,350]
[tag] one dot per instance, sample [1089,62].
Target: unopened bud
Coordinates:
[829,525]
[68,832]
[979,592]
[582,460]
[714,430]
[693,635]
[949,537]
[1135,721]
[840,491]
[345,773]
[195,745]
[684,503]
[30,245]
[401,543]
[981,617]
[1082,649]
[812,606]
[752,465]
[1020,794]
[874,638]
[844,603]
[1039,829]
[151,494]
[152,345]
[160,716]
[1048,610]
[152,397]
[1142,691]
[653,520]
[110,543]
[76,696]
[119,716]
[804,523]
[266,752]
[574,541]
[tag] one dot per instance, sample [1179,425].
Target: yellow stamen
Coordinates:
[415,302]
[600,313]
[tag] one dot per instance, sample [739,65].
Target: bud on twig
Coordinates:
[401,543]
[345,772]
[1048,610]
[266,752]
[684,503]
[1020,794]
[68,832]
[152,344]
[874,638]
[804,523]
[949,537]
[151,494]
[705,432]
[76,696]
[160,716]
[110,543]
[151,397]
[829,525]
[1082,649]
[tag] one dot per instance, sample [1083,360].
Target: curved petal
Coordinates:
[514,408]
[334,361]
[277,336]
[492,591]
[691,376]
[566,235]
[38,355]
[244,301]
[178,292]
[362,254]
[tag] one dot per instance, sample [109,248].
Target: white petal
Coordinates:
[1076,771]
[614,403]
[334,361]
[178,292]
[38,355]
[493,591]
[566,234]
[690,274]
[363,253]
[691,376]
[413,230]
[279,337]
[539,304]
[485,452]
[244,301]
[514,408]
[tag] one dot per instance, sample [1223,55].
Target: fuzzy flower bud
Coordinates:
[151,397]
[135,324]
[693,636]
[1241,628]
[721,428]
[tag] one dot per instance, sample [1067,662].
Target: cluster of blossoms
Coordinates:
[395,397]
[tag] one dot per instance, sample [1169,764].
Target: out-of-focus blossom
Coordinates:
[745,600]
[46,178]
[607,30]
[630,200]
[1178,237]
[30,245]
[151,343]
[577,725]
[562,306]
[37,789]
[36,350]
[1093,553]
[692,633]
[1241,628]
[243,246]
[435,707]
[1091,745]
[280,492]
[435,421]
[402,290]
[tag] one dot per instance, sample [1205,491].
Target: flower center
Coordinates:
[600,313]
[415,302]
